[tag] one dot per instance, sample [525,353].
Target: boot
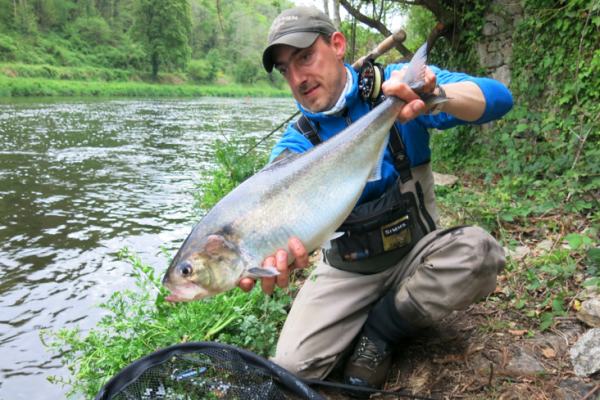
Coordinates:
[371,360]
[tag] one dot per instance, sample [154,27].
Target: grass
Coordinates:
[13,87]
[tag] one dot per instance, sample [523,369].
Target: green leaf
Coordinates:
[594,255]
[522,127]
[544,325]
[557,305]
[574,240]
[546,316]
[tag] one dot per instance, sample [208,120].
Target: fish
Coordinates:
[304,195]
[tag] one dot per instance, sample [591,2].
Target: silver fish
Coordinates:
[305,195]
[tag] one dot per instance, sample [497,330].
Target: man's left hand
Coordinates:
[415,106]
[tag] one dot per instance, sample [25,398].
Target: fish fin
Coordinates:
[263,271]
[327,244]
[415,73]
[430,99]
[285,153]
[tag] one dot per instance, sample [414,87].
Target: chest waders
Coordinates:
[378,233]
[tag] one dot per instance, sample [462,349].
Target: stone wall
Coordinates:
[496,47]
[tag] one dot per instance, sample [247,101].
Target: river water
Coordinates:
[80,179]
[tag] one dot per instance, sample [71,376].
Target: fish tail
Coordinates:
[415,73]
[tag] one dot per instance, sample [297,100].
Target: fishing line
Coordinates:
[266,137]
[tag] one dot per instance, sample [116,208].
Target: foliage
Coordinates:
[234,163]
[245,71]
[199,70]
[48,87]
[104,34]
[214,62]
[162,27]
[536,174]
[138,322]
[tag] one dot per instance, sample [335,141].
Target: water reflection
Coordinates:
[79,179]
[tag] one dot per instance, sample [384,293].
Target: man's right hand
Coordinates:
[280,262]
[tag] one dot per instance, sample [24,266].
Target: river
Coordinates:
[80,179]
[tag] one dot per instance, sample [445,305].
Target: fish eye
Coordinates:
[185,269]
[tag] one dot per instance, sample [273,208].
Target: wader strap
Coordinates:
[399,155]
[308,130]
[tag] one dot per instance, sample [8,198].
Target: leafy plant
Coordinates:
[140,321]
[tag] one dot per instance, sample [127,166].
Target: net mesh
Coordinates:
[214,371]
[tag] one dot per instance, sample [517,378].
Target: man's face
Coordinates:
[316,74]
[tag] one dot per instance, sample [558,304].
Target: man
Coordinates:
[366,308]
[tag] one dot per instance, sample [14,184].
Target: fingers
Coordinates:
[300,254]
[246,284]
[280,262]
[267,284]
[414,105]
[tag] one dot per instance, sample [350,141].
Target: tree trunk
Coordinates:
[15,5]
[337,22]
[326,7]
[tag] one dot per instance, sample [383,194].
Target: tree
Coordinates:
[162,27]
[443,10]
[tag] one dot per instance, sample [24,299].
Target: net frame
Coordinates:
[128,375]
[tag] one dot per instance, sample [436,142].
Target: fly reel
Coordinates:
[370,79]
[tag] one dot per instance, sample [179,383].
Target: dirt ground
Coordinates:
[474,354]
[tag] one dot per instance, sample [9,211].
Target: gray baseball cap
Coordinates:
[298,27]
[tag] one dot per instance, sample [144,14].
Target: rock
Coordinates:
[492,60]
[502,75]
[444,180]
[506,52]
[518,253]
[495,19]
[590,312]
[524,362]
[585,354]
[489,29]
[575,389]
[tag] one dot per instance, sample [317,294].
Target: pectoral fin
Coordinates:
[263,272]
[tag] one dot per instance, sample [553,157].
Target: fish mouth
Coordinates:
[185,293]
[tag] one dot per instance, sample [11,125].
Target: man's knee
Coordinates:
[481,253]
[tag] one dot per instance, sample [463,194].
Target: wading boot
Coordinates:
[371,360]
[368,366]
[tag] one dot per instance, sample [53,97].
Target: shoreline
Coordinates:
[42,87]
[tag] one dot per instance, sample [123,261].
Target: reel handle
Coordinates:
[389,43]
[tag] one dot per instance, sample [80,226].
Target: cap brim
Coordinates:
[299,40]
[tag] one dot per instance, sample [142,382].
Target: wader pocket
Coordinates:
[378,234]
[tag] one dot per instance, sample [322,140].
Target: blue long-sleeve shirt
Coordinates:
[414,133]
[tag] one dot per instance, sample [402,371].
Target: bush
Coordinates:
[8,48]
[94,30]
[199,70]
[245,71]
[215,61]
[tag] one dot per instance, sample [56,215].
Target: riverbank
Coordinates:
[20,86]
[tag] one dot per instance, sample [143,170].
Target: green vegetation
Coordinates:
[532,181]
[140,321]
[168,42]
[48,87]
[536,175]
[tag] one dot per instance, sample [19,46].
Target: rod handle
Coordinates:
[389,43]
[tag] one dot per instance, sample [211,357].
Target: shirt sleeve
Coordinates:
[498,99]
[293,140]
